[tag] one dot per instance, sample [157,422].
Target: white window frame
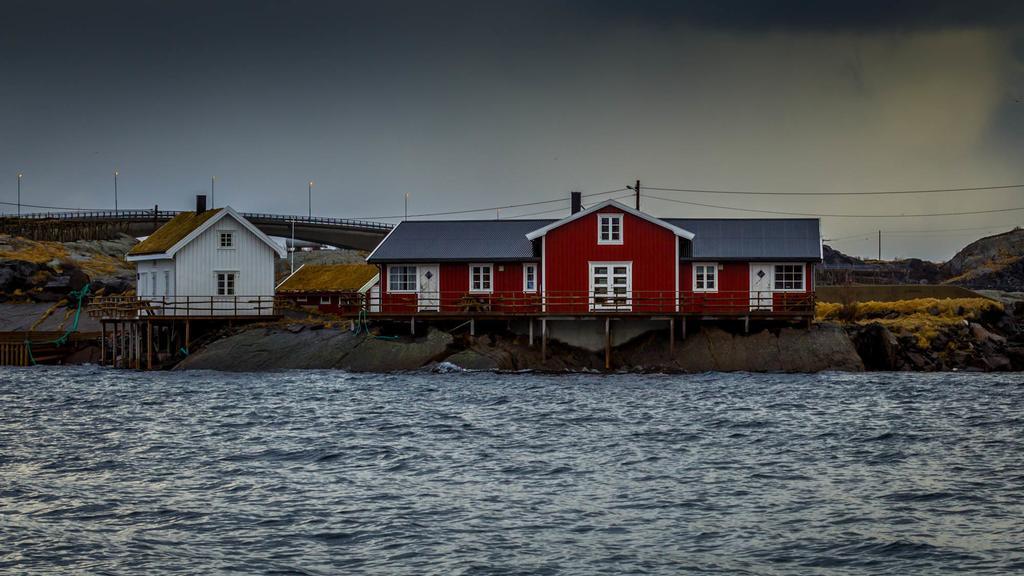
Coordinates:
[490,278]
[327,303]
[527,268]
[803,276]
[234,282]
[611,217]
[300,299]
[230,234]
[152,284]
[713,266]
[413,278]
[628,306]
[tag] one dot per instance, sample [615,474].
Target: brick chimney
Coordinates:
[577,202]
[200,203]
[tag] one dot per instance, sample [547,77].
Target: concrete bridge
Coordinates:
[96,225]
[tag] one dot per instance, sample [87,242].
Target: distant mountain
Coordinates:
[990,263]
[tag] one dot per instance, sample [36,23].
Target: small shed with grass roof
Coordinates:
[333,288]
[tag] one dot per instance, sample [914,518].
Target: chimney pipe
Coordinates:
[200,203]
[577,201]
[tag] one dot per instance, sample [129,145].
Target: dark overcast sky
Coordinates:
[475,104]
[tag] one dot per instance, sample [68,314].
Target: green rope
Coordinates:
[61,340]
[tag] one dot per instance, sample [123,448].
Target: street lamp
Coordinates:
[310,193]
[115,189]
[19,194]
[291,249]
[213,196]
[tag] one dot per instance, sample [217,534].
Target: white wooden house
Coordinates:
[207,262]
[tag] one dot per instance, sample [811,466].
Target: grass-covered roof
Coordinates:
[328,278]
[172,232]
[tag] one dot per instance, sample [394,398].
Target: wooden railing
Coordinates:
[737,302]
[128,307]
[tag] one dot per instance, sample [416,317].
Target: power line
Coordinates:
[490,209]
[23,205]
[822,215]
[871,233]
[861,193]
[561,209]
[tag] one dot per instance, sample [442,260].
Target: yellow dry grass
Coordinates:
[923,318]
[329,278]
[34,252]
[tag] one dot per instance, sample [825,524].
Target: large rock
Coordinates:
[387,355]
[876,345]
[280,348]
[823,347]
[258,349]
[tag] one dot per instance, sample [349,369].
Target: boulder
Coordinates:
[876,346]
[473,360]
[981,334]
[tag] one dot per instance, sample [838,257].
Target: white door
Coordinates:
[760,286]
[611,286]
[428,295]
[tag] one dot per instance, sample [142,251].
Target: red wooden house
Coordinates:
[609,258]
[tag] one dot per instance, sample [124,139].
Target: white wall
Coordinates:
[144,277]
[252,260]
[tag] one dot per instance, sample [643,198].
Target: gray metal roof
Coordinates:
[458,240]
[498,240]
[753,238]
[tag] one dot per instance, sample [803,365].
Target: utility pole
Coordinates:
[19,194]
[115,189]
[637,195]
[879,245]
[310,200]
[213,186]
[406,207]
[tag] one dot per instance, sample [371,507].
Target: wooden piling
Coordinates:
[544,340]
[149,345]
[671,335]
[607,343]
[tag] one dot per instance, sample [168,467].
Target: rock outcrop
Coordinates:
[282,348]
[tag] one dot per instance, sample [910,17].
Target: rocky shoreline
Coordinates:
[825,347]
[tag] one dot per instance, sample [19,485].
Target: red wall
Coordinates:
[507,295]
[341,304]
[733,290]
[570,248]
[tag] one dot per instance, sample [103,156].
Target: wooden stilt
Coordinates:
[683,327]
[746,324]
[543,339]
[188,335]
[472,327]
[103,343]
[149,345]
[412,325]
[671,335]
[607,343]
[531,332]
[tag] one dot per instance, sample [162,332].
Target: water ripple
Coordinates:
[112,472]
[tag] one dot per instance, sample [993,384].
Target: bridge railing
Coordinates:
[149,215]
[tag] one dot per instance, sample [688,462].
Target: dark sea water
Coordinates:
[115,472]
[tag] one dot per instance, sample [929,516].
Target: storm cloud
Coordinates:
[466,105]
